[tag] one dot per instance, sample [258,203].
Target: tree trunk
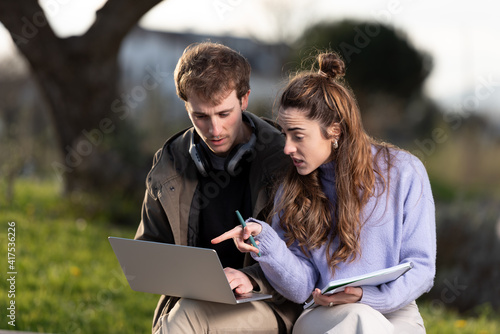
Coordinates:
[78,77]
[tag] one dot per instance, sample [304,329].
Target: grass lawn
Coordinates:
[68,279]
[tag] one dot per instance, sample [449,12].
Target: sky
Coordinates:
[461,36]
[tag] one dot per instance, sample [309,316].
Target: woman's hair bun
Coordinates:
[331,65]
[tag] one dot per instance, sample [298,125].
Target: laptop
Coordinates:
[174,270]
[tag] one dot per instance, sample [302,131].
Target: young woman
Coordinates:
[350,206]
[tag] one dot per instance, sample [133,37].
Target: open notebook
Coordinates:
[374,278]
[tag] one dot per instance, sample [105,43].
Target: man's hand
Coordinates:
[349,295]
[238,281]
[239,235]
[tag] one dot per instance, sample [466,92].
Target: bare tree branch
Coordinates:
[116,18]
[31,32]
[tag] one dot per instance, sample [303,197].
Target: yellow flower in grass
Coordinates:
[460,323]
[75,271]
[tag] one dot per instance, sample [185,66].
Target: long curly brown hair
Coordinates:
[305,211]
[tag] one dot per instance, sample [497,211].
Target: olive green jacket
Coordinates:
[171,186]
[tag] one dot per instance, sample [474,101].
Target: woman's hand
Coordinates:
[239,235]
[349,295]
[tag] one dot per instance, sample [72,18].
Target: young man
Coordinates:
[226,162]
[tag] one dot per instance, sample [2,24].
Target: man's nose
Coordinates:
[215,128]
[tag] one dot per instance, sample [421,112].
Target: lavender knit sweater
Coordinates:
[400,228]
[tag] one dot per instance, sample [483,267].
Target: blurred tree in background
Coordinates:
[78,79]
[385,71]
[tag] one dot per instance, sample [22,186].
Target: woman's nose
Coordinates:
[289,147]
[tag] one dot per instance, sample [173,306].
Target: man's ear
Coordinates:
[244,101]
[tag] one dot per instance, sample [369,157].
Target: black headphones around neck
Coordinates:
[234,158]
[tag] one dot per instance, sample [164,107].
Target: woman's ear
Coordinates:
[334,131]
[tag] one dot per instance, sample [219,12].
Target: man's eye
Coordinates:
[224,114]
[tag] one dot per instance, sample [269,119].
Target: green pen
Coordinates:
[252,240]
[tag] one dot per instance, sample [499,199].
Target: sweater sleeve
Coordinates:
[288,270]
[418,245]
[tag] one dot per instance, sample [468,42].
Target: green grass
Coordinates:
[69,281]
[439,320]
